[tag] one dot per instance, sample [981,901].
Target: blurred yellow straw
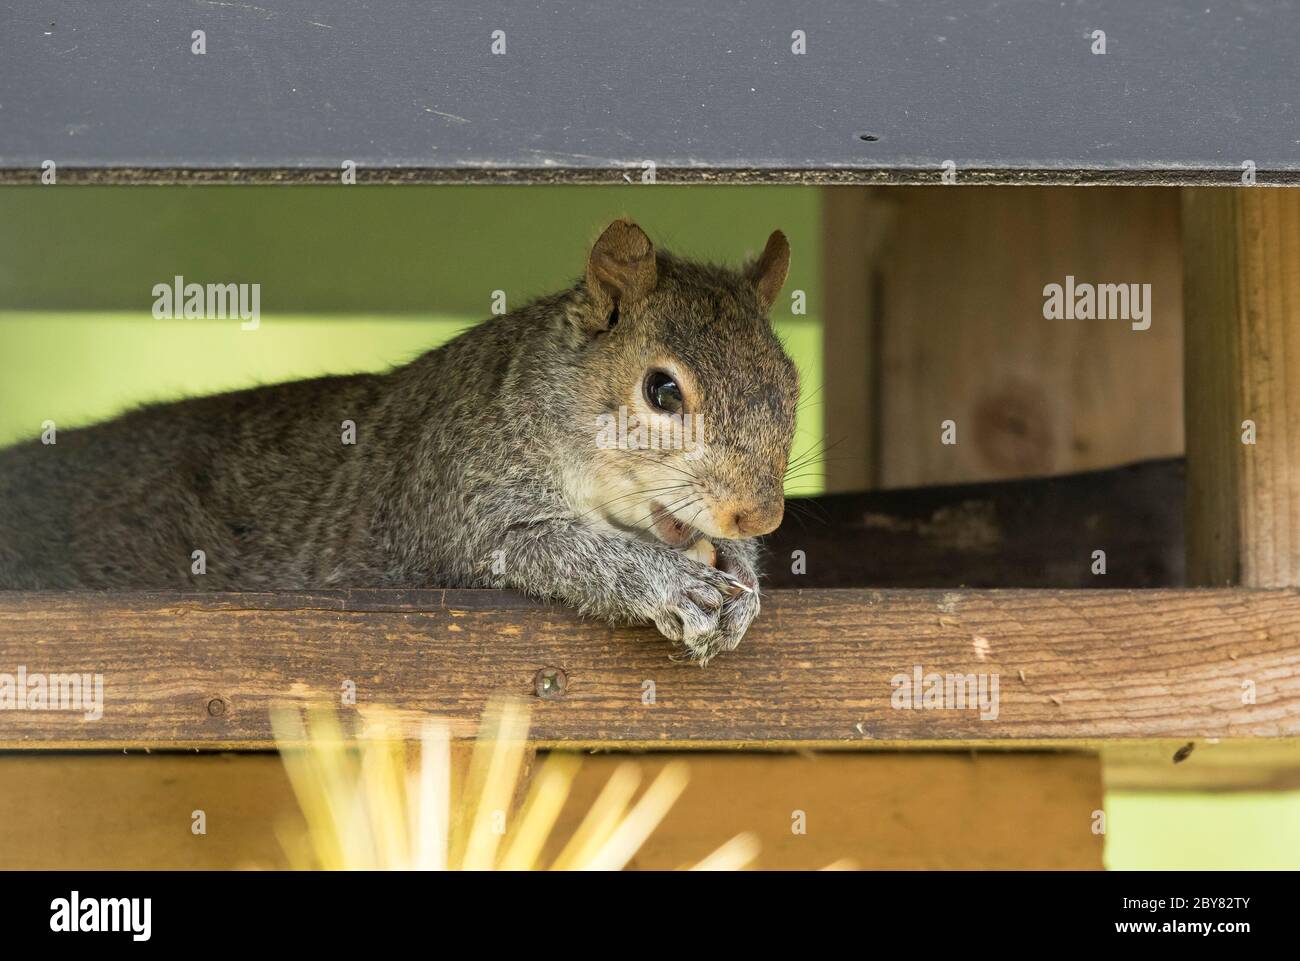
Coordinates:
[368,804]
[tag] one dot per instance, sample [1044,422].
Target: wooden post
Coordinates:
[1242,293]
[856,225]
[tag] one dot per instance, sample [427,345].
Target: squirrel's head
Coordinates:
[693,397]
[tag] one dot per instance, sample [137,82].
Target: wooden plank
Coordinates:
[1242,764]
[816,669]
[1242,250]
[882,811]
[1030,396]
[856,223]
[887,811]
[1024,533]
[489,91]
[110,812]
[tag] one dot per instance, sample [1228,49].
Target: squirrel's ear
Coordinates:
[621,269]
[767,274]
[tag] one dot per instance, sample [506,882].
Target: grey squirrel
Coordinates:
[478,464]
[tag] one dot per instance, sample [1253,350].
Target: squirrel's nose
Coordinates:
[760,518]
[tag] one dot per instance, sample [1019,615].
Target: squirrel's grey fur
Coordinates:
[475,465]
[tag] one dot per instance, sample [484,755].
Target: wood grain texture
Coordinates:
[963,336]
[816,669]
[1242,277]
[855,226]
[882,811]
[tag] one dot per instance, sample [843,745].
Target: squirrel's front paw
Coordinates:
[737,614]
[738,610]
[692,604]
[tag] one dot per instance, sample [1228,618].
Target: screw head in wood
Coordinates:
[550,683]
[217,706]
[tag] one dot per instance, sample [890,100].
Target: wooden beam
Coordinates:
[1241,764]
[1024,533]
[1242,277]
[109,812]
[1025,811]
[188,670]
[882,812]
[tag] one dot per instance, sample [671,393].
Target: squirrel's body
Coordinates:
[262,482]
[474,465]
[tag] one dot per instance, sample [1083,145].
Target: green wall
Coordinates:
[367,250]
[355,278]
[1182,831]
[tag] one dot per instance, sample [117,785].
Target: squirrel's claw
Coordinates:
[733,621]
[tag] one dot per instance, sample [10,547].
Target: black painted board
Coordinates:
[1008,91]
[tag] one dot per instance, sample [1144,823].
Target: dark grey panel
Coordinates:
[1186,92]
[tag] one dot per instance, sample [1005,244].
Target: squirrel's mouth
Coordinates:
[669,529]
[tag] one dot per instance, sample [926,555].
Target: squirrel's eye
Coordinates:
[663,393]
